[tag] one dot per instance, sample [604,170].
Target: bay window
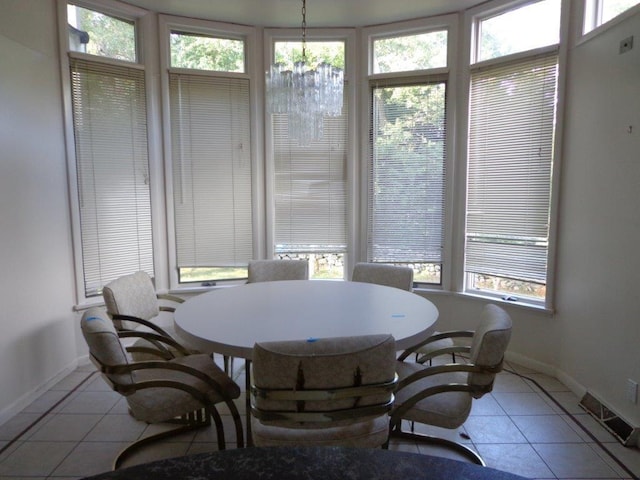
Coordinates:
[512,116]
[109,115]
[209,152]
[407,164]
[310,192]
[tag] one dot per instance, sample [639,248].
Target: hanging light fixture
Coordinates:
[304,94]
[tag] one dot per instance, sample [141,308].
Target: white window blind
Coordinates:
[211,157]
[110,128]
[407,181]
[310,188]
[512,117]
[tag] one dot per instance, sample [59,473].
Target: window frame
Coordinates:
[348,36]
[142,20]
[471,19]
[592,22]
[167,24]
[447,74]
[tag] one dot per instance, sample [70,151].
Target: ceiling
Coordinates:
[320,13]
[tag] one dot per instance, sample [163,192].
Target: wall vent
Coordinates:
[619,428]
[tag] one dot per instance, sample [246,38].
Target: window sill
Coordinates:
[520,304]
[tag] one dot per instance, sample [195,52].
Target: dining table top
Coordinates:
[231,320]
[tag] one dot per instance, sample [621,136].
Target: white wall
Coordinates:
[598,296]
[37,327]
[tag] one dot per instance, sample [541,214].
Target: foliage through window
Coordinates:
[203,52]
[407,189]
[411,52]
[531,26]
[99,34]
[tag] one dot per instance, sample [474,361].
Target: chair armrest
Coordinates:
[169,297]
[444,351]
[159,341]
[162,365]
[406,405]
[435,338]
[141,321]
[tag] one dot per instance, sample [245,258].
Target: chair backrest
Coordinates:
[488,346]
[324,382]
[270,270]
[132,295]
[105,347]
[388,275]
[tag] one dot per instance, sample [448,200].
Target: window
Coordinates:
[419,52]
[310,192]
[532,26]
[111,157]
[509,174]
[407,190]
[210,158]
[598,12]
[203,52]
[99,34]
[407,174]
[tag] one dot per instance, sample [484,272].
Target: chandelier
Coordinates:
[306,95]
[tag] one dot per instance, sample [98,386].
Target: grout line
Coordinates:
[43,415]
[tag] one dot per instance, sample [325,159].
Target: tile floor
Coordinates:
[516,428]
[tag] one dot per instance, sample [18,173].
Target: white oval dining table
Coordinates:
[231,320]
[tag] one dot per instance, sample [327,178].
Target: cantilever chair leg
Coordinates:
[190,422]
[429,439]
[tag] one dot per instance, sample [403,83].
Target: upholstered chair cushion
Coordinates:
[368,434]
[271,270]
[132,295]
[489,342]
[388,275]
[102,339]
[323,364]
[154,405]
[447,410]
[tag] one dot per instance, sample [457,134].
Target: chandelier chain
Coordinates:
[304,30]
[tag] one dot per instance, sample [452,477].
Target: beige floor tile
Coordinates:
[545,429]
[89,458]
[35,458]
[489,429]
[577,460]
[520,459]
[520,403]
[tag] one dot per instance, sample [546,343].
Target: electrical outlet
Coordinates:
[626,44]
[632,391]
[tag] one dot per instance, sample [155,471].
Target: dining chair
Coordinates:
[323,392]
[399,277]
[270,270]
[442,395]
[382,274]
[133,304]
[184,390]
